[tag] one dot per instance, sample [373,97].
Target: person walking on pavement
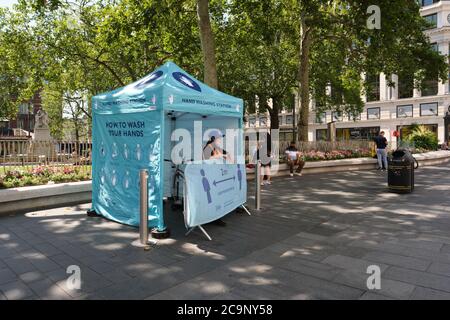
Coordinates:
[381,143]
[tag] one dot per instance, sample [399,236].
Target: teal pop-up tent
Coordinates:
[132,129]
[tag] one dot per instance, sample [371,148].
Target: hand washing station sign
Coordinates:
[213,190]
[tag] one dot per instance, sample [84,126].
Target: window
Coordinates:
[263,121]
[337,116]
[405,111]
[430,87]
[23,108]
[289,119]
[431,19]
[428,109]
[373,88]
[405,86]
[365,133]
[321,134]
[434,46]
[425,3]
[280,120]
[354,117]
[373,113]
[252,122]
[405,131]
[321,117]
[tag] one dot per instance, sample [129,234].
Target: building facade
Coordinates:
[388,109]
[25,119]
[395,109]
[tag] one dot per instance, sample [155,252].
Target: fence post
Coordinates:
[258,185]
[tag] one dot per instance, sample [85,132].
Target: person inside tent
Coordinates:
[213,148]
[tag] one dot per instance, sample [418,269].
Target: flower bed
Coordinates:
[335,154]
[42,175]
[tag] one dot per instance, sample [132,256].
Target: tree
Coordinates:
[338,29]
[207,41]
[256,56]
[88,47]
[19,58]
[260,48]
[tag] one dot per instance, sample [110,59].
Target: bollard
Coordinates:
[143,200]
[258,185]
[143,240]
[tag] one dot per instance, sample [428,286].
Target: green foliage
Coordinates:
[344,48]
[422,138]
[18,63]
[255,51]
[75,49]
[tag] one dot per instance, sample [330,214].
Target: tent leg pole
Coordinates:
[189,231]
[246,210]
[205,233]
[202,229]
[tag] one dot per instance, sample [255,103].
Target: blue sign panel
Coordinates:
[121,147]
[213,190]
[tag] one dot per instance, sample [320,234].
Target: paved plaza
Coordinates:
[313,239]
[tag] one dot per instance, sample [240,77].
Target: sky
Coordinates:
[7,3]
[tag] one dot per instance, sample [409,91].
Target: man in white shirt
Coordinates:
[293,158]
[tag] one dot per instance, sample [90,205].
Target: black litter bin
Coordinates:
[401,171]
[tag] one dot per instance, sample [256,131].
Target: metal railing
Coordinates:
[328,146]
[26,154]
[316,146]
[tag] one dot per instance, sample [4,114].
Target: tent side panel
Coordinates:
[122,145]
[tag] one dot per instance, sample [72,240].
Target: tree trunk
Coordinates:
[303,77]
[207,41]
[274,111]
[76,125]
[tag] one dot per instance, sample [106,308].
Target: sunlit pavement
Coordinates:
[314,238]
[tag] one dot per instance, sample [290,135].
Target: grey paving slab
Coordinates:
[20,265]
[43,263]
[46,289]
[398,260]
[116,276]
[421,293]
[389,288]
[440,268]
[47,249]
[352,264]
[314,239]
[32,276]
[419,278]
[7,253]
[6,275]
[446,247]
[16,290]
[374,296]
[64,260]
